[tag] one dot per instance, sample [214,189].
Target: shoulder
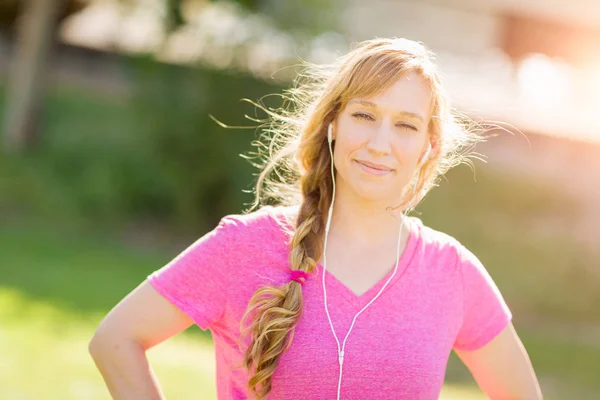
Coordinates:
[263,218]
[453,251]
[254,220]
[436,242]
[446,251]
[259,228]
[449,259]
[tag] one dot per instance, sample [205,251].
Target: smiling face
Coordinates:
[380,140]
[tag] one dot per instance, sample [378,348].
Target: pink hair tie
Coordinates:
[299,276]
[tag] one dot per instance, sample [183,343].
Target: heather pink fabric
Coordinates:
[441,298]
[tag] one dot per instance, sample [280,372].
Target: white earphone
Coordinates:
[341,347]
[426,154]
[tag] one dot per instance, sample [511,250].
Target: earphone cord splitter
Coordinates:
[342,347]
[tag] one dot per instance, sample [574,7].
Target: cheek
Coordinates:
[350,138]
[408,149]
[347,148]
[342,155]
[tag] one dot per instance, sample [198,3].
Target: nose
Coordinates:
[379,142]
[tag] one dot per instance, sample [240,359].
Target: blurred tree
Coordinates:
[173,15]
[35,33]
[37,30]
[301,20]
[10,10]
[309,16]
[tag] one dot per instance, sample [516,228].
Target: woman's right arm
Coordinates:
[143,319]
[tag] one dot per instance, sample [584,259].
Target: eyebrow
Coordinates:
[373,105]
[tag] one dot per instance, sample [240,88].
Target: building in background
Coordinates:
[512,60]
[569,29]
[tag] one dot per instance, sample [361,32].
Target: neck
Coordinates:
[365,223]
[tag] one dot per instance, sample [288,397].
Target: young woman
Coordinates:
[335,293]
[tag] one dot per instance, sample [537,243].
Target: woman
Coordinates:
[335,293]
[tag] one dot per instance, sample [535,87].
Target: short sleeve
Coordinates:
[485,312]
[197,280]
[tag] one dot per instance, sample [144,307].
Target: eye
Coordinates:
[407,126]
[362,116]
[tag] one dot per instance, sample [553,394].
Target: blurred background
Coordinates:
[110,164]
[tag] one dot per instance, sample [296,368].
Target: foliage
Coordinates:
[155,154]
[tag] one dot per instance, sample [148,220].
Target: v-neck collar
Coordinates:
[334,285]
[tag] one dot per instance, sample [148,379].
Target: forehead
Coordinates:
[409,94]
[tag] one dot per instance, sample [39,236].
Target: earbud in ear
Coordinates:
[424,158]
[330,133]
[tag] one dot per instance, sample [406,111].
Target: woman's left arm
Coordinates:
[502,368]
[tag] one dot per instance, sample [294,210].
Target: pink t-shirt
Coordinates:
[440,299]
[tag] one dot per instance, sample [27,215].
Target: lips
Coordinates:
[379,167]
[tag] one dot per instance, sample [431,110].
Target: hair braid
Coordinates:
[275,310]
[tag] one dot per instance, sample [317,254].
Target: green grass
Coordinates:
[55,290]
[47,345]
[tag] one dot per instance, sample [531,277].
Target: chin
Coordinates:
[377,191]
[371,194]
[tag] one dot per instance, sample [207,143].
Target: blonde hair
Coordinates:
[296,171]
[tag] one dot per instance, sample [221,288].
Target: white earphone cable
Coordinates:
[342,347]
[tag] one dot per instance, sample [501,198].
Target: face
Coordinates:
[380,140]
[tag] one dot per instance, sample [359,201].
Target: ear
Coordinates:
[425,155]
[330,132]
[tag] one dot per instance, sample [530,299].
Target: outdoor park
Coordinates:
[111,165]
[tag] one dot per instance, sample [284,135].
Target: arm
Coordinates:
[502,368]
[140,321]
